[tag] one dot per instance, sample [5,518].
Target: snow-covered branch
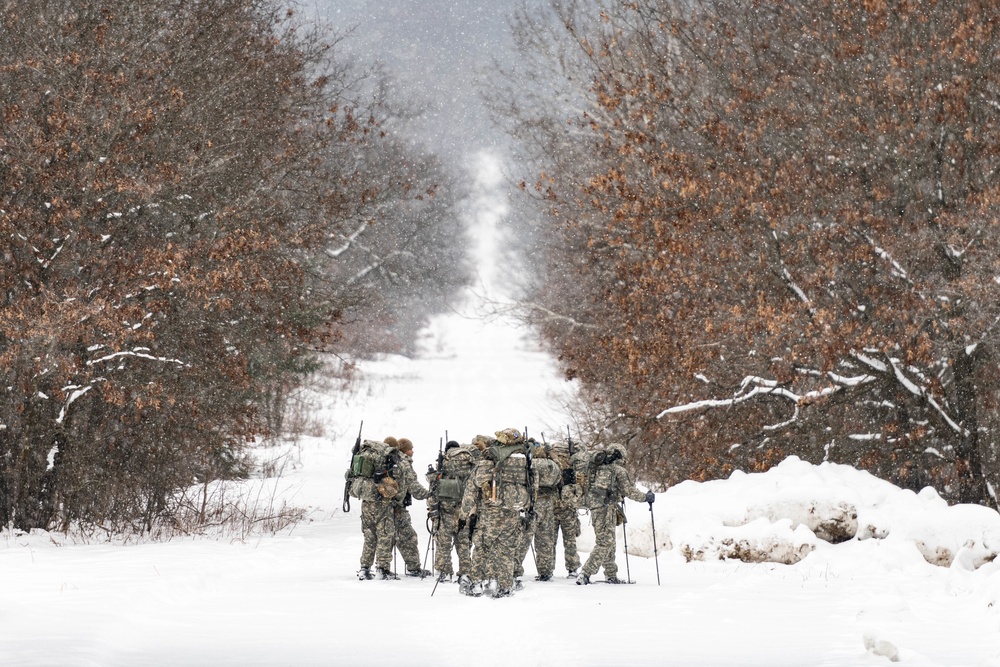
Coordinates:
[138,352]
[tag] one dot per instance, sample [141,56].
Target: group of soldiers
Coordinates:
[492,501]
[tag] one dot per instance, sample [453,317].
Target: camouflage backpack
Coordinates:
[598,484]
[507,482]
[374,462]
[456,468]
[548,471]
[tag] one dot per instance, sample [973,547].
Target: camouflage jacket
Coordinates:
[406,477]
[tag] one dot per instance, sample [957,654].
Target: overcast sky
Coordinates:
[436,49]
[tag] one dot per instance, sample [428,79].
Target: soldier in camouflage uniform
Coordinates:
[531,527]
[564,515]
[376,520]
[501,503]
[398,532]
[545,521]
[606,513]
[444,511]
[471,581]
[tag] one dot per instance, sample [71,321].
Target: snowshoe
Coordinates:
[384,574]
[518,586]
[365,573]
[503,593]
[573,574]
[418,572]
[544,577]
[583,579]
[613,580]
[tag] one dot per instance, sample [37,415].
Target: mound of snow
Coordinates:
[784,514]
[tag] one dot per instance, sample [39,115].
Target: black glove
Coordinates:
[378,476]
[473,520]
[461,524]
[650,497]
[569,476]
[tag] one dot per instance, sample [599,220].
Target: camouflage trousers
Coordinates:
[523,546]
[566,519]
[604,520]
[545,535]
[373,513]
[495,545]
[448,537]
[397,531]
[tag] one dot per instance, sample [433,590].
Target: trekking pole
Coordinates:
[628,572]
[656,558]
[430,547]
[395,541]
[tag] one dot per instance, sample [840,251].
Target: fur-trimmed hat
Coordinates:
[509,436]
[482,441]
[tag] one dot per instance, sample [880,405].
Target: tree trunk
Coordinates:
[968,462]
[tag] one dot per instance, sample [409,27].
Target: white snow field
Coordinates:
[294,599]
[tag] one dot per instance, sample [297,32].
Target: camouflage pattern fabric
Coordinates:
[375,520]
[500,532]
[449,537]
[397,530]
[565,519]
[604,520]
[524,545]
[545,533]
[408,482]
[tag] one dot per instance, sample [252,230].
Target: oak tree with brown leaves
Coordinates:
[188,192]
[783,238]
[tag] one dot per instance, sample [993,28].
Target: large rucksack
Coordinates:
[508,482]
[549,473]
[373,462]
[598,480]
[456,468]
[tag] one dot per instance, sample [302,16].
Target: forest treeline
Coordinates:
[195,199]
[770,229]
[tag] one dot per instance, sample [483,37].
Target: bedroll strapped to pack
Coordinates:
[549,473]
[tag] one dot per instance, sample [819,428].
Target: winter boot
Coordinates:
[418,572]
[613,580]
[518,586]
[443,577]
[384,573]
[583,579]
[365,573]
[503,593]
[572,574]
[465,585]
[544,577]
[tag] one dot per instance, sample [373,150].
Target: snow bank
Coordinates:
[786,513]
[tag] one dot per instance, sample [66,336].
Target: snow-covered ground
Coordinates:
[293,598]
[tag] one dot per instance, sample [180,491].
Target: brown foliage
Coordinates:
[783,238]
[171,181]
